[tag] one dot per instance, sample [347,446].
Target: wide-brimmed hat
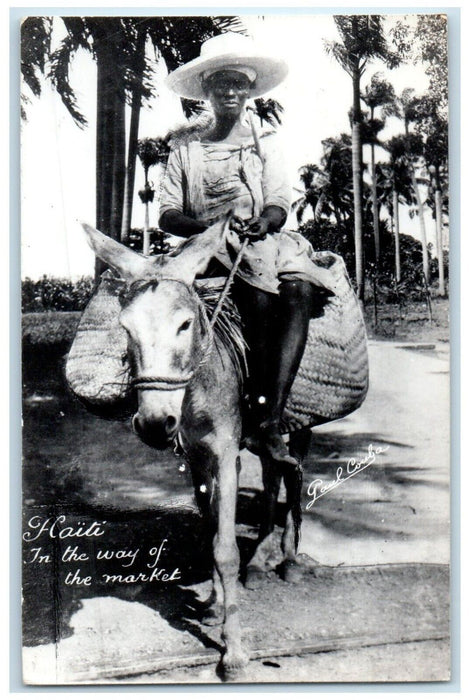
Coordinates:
[228,51]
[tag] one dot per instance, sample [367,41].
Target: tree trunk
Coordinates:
[375,206]
[422,225]
[104,148]
[118,164]
[319,207]
[146,232]
[133,140]
[440,253]
[357,184]
[396,227]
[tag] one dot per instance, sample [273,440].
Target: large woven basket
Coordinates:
[97,370]
[333,376]
[331,382]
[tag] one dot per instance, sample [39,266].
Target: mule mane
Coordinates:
[227,327]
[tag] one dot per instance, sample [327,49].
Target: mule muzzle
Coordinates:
[156,433]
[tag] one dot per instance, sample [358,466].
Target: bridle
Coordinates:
[161,383]
[149,383]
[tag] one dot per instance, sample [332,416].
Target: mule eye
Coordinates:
[184,326]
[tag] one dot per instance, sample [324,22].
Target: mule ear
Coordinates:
[192,257]
[127,263]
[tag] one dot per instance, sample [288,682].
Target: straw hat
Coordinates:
[228,51]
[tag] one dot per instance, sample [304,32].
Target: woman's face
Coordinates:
[227,92]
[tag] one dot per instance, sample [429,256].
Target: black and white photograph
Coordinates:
[235,347]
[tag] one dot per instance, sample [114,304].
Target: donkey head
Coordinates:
[165,323]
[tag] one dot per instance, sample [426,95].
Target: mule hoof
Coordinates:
[233,664]
[291,572]
[255,578]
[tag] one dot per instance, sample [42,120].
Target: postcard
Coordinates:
[235,348]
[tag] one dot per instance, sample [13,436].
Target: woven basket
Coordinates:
[96,369]
[333,376]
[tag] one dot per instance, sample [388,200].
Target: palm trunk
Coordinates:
[319,207]
[396,227]
[146,232]
[118,164]
[357,185]
[133,140]
[422,225]
[110,147]
[440,252]
[130,170]
[337,214]
[104,148]
[375,206]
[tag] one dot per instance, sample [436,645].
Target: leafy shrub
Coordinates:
[324,235]
[55,294]
[157,240]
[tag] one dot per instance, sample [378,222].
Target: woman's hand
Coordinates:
[255,229]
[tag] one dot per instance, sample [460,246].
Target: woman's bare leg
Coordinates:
[276,330]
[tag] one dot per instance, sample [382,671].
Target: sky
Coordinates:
[58,158]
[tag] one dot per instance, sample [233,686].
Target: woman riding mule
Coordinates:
[228,167]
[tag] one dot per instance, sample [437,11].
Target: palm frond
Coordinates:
[59,75]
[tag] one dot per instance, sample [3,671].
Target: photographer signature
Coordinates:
[317,488]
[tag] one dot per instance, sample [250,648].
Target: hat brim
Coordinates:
[186,80]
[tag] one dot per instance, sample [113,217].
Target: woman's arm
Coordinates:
[172,201]
[275,181]
[173,221]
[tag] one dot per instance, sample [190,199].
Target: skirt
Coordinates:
[285,255]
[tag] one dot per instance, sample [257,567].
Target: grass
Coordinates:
[412,323]
[49,327]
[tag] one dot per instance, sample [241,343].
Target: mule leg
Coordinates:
[258,565]
[294,565]
[214,614]
[227,560]
[202,465]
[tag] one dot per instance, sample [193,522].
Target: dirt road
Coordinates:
[395,510]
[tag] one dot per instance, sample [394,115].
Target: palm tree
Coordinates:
[406,107]
[124,74]
[379,93]
[113,43]
[327,188]
[268,110]
[151,152]
[362,39]
[314,180]
[433,128]
[394,188]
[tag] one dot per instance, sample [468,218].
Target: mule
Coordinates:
[187,385]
